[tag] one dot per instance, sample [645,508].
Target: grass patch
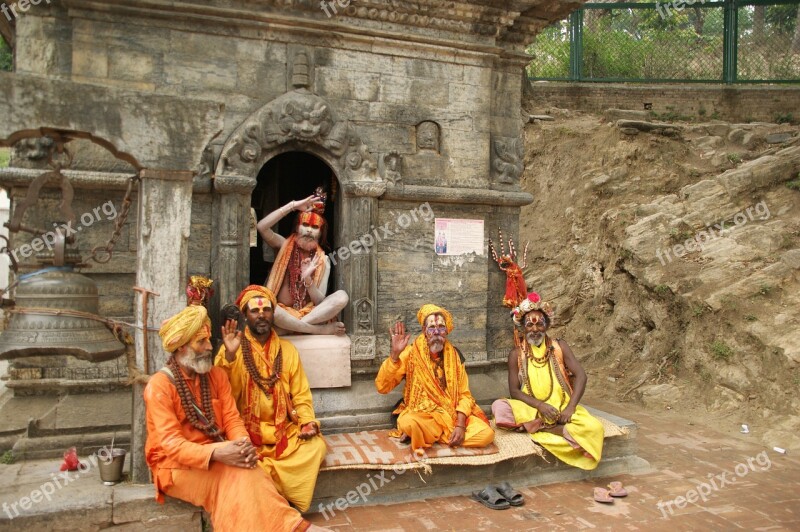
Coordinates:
[765,288]
[750,317]
[7,457]
[735,158]
[698,311]
[793,184]
[5,157]
[784,118]
[662,289]
[720,350]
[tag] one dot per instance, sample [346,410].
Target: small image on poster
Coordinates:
[458,237]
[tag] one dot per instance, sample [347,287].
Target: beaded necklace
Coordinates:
[297,288]
[208,428]
[265,383]
[548,357]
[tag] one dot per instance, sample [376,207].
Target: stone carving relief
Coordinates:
[302,117]
[428,136]
[363,348]
[33,149]
[364,315]
[507,160]
[392,163]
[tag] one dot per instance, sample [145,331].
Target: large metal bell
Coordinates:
[39,333]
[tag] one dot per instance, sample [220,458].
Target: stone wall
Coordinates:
[733,104]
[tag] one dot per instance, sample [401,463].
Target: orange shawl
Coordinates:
[264,358]
[281,266]
[422,384]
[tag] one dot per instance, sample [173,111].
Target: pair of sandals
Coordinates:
[615,490]
[499,497]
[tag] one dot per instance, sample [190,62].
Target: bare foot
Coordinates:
[336,328]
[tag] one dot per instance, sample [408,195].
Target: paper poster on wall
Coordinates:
[458,237]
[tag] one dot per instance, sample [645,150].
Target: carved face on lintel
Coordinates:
[428,136]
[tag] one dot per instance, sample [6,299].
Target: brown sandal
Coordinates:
[615,489]
[601,495]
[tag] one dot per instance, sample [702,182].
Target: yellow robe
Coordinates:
[295,472]
[429,414]
[585,429]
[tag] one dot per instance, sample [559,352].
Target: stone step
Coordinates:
[340,489]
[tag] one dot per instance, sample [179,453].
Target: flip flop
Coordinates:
[601,495]
[491,498]
[513,497]
[615,489]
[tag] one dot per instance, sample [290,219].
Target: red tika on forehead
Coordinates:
[203,333]
[259,302]
[312,218]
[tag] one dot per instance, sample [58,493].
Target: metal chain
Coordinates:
[102,254]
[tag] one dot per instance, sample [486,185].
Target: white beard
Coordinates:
[198,362]
[534,339]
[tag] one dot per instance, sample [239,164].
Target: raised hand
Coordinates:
[308,267]
[399,339]
[232,338]
[306,204]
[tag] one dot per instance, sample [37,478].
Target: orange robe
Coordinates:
[295,468]
[428,413]
[179,457]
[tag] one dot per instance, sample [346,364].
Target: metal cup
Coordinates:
[111,471]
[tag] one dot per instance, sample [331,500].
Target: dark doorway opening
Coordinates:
[287,177]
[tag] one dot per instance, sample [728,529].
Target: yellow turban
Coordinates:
[429,309]
[183,326]
[252,291]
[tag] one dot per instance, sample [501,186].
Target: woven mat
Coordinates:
[376,450]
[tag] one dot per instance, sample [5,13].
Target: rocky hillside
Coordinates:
[672,251]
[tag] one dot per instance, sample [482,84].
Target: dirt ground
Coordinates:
[677,335]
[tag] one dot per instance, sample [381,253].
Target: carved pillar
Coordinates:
[230,259]
[358,273]
[165,210]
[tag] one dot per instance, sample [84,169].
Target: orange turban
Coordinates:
[183,326]
[255,290]
[429,309]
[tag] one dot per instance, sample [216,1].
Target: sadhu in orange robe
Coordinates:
[292,463]
[429,413]
[179,457]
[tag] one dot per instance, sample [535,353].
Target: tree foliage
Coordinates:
[6,60]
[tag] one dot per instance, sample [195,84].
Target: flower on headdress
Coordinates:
[530,303]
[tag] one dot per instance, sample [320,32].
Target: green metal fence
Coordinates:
[731,41]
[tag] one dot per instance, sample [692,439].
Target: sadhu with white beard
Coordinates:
[437,404]
[299,277]
[544,401]
[197,446]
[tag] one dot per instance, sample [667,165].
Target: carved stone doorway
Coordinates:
[291,176]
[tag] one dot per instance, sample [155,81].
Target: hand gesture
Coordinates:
[239,453]
[231,337]
[550,414]
[566,415]
[306,204]
[399,339]
[308,267]
[308,431]
[457,438]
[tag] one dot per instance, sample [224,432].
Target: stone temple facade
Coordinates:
[402,110]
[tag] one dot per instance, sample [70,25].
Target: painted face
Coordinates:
[197,354]
[309,230]
[535,327]
[260,315]
[435,332]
